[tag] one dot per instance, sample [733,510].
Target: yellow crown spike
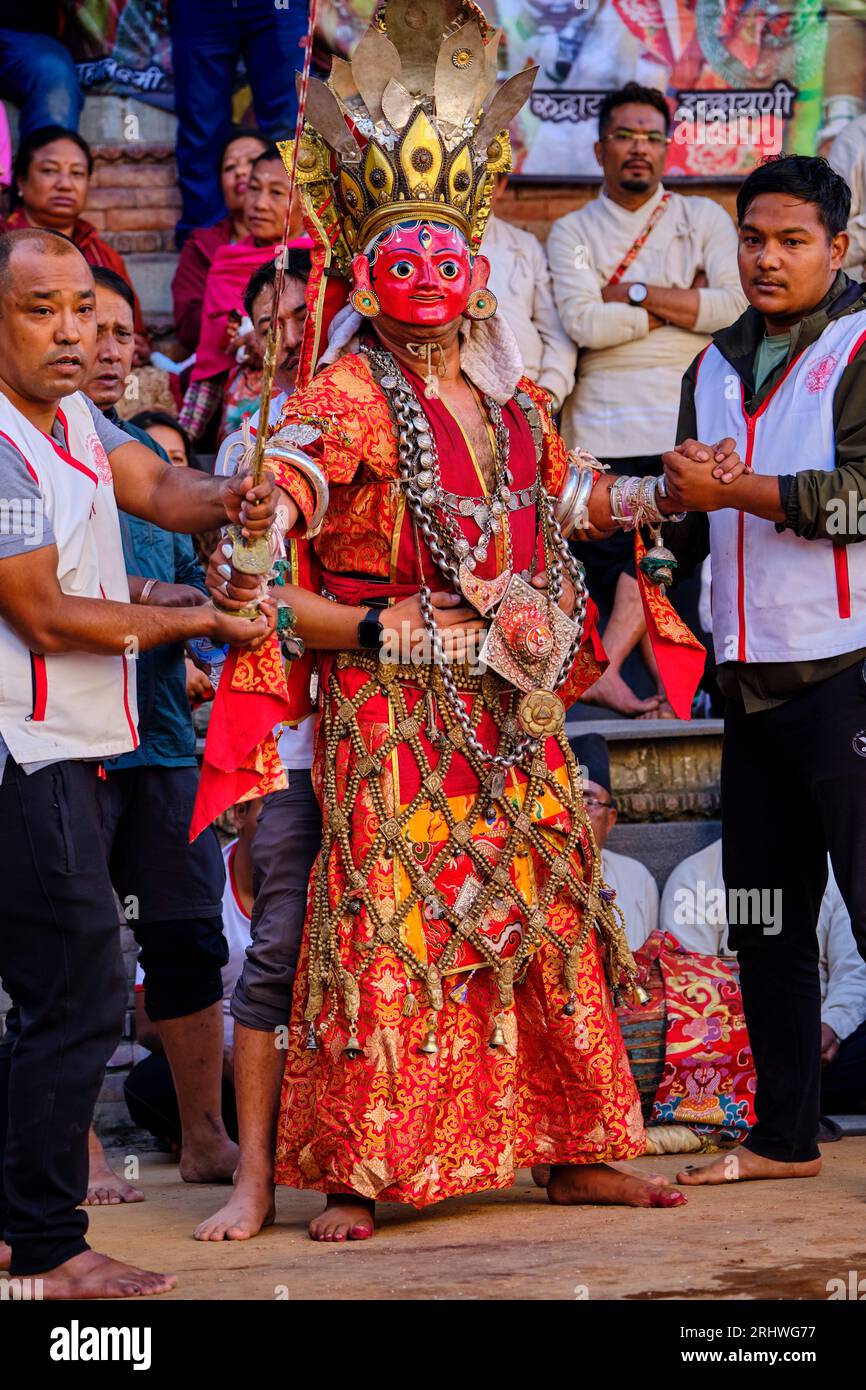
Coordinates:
[421,157]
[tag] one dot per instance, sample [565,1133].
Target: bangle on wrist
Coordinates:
[149,586]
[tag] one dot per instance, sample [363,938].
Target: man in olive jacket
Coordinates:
[785,388]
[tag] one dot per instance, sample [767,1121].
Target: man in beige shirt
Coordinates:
[642,277]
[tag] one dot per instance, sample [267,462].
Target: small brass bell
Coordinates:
[497,1037]
[659,565]
[311,1045]
[640,994]
[618,998]
[571,1007]
[430,1046]
[353,1049]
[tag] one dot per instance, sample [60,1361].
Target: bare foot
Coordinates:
[611,691]
[346,1217]
[600,1184]
[215,1162]
[742,1165]
[247,1211]
[105,1188]
[664,710]
[5,1255]
[541,1174]
[91,1275]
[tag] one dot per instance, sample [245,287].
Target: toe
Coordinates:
[668,1198]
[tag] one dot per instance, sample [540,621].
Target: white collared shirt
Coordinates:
[626,399]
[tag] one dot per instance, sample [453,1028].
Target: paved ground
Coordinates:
[759,1240]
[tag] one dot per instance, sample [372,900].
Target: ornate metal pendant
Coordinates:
[483,594]
[541,713]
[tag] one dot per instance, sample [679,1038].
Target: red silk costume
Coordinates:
[396,1123]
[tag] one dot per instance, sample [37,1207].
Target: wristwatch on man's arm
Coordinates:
[637,293]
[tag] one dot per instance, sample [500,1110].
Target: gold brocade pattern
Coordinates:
[400,1125]
[451,1019]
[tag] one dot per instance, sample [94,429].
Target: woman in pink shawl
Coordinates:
[241,149]
[232,266]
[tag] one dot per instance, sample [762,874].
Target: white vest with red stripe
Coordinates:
[776,596]
[69,704]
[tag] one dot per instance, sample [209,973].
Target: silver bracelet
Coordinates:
[570,507]
[284,451]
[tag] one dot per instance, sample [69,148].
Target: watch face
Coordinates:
[637,294]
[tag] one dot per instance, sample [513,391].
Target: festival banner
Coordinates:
[743,78]
[122,48]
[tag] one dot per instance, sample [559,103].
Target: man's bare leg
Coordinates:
[346,1217]
[624,630]
[91,1275]
[105,1188]
[601,1184]
[742,1165]
[194,1048]
[258,1065]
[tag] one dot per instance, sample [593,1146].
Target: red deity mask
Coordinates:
[421,273]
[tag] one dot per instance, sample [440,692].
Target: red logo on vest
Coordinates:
[818,375]
[101,465]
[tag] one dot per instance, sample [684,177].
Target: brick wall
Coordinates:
[134,200]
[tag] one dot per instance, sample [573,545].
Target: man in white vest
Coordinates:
[785,387]
[68,632]
[642,276]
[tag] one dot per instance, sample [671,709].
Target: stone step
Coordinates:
[152,276]
[661,769]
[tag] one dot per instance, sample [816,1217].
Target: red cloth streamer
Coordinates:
[680,656]
[241,721]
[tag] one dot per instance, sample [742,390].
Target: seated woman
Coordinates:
[241,149]
[51,179]
[233,264]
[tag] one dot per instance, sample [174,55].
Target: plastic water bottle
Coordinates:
[209,655]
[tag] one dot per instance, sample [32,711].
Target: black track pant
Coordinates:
[60,961]
[793,788]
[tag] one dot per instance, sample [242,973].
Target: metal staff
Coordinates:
[255,558]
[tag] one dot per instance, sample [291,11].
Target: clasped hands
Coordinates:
[697,474]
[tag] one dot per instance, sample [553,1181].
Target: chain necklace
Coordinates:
[422,485]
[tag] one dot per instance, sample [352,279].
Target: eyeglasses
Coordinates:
[622,136]
[595,805]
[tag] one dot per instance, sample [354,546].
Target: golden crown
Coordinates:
[413,126]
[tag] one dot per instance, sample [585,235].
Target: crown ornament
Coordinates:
[414,127]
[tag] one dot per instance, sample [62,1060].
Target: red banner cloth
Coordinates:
[680,656]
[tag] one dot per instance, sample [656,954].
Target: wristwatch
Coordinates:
[637,293]
[370,631]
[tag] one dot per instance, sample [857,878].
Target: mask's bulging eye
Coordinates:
[449,270]
[402,269]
